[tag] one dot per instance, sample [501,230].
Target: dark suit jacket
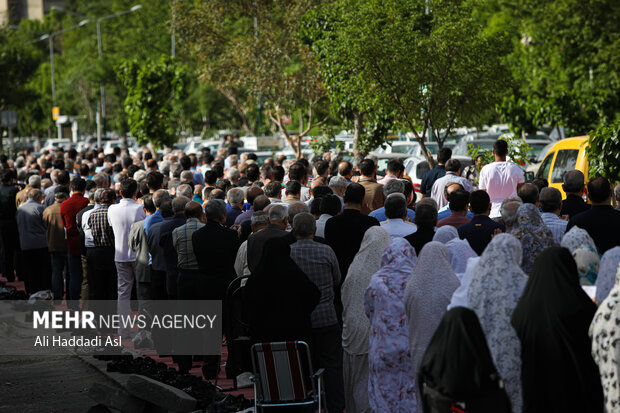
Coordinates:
[165,242]
[573,205]
[257,240]
[216,248]
[602,223]
[478,232]
[344,233]
[419,239]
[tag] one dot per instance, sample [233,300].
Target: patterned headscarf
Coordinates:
[366,262]
[576,238]
[605,344]
[607,273]
[588,261]
[445,234]
[495,289]
[427,296]
[460,251]
[533,234]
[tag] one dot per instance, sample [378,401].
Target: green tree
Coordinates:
[248,50]
[153,90]
[603,151]
[566,60]
[430,69]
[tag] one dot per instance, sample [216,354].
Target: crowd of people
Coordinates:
[469,296]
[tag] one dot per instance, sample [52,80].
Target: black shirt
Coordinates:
[602,223]
[479,231]
[573,205]
[430,177]
[420,238]
[7,202]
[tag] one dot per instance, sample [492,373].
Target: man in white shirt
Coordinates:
[121,217]
[396,213]
[501,179]
[453,175]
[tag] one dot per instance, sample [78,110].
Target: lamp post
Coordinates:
[101,111]
[50,37]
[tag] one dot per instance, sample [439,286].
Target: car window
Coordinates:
[565,161]
[421,169]
[543,170]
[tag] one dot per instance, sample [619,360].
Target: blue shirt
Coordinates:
[446,212]
[379,214]
[429,179]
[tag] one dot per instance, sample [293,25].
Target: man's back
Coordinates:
[573,205]
[319,263]
[122,216]
[479,232]
[429,178]
[374,196]
[602,223]
[500,180]
[54,228]
[344,233]
[257,241]
[32,234]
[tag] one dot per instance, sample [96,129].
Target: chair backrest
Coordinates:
[283,371]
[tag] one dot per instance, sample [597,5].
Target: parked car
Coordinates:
[402,147]
[417,166]
[196,146]
[565,155]
[533,167]
[432,147]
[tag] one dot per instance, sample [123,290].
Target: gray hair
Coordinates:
[395,206]
[277,213]
[215,210]
[296,208]
[550,199]
[258,218]
[187,176]
[235,196]
[97,195]
[304,224]
[35,181]
[573,181]
[393,186]
[139,176]
[185,190]
[100,179]
[160,196]
[178,204]
[508,210]
[617,192]
[338,182]
[232,174]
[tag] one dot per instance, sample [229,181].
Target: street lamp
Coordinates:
[50,37]
[101,112]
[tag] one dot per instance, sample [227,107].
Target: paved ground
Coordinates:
[47,384]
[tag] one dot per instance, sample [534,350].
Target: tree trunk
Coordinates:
[358,128]
[124,142]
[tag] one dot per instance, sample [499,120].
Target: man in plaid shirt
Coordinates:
[318,261]
[103,283]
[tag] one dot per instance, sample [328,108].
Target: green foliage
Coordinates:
[518,151]
[603,151]
[566,60]
[326,142]
[429,71]
[153,90]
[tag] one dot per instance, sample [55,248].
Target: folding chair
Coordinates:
[283,376]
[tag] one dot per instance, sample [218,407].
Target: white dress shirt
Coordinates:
[121,217]
[320,225]
[397,227]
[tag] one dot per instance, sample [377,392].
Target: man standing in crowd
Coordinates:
[121,217]
[601,221]
[481,228]
[396,213]
[103,282]
[453,171]
[500,179]
[439,171]
[394,170]
[459,200]
[551,205]
[574,186]
[36,265]
[319,263]
[56,243]
[391,187]
[68,211]
[278,220]
[373,195]
[8,225]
